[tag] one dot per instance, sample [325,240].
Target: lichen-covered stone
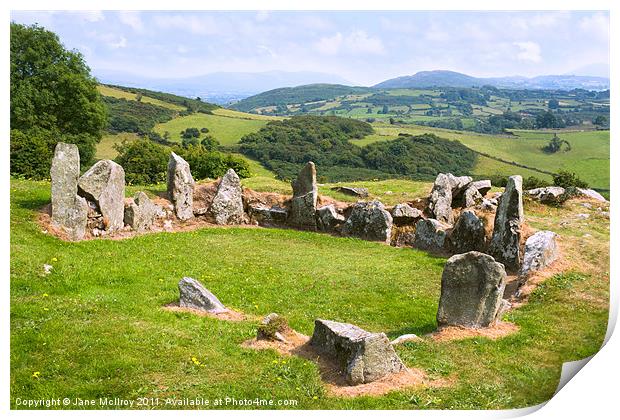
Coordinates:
[430,235]
[467,234]
[305,196]
[404,214]
[227,205]
[104,185]
[194,295]
[546,194]
[180,187]
[472,287]
[440,202]
[370,221]
[328,219]
[541,249]
[69,211]
[141,213]
[363,356]
[504,245]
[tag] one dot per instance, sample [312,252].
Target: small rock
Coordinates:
[353,191]
[273,327]
[47,269]
[586,205]
[546,194]
[328,218]
[141,213]
[540,250]
[430,235]
[403,214]
[407,338]
[194,295]
[168,224]
[583,216]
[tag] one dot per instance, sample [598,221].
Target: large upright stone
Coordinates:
[441,198]
[180,187]
[227,205]
[305,196]
[69,211]
[472,286]
[363,356]
[541,249]
[504,245]
[430,235]
[468,234]
[194,295]
[104,185]
[370,221]
[141,213]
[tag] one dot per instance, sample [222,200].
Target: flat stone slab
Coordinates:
[352,191]
[363,356]
[194,295]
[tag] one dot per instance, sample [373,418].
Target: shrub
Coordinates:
[144,162]
[567,180]
[31,156]
[211,164]
[531,182]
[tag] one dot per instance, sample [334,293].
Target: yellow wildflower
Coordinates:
[35,375]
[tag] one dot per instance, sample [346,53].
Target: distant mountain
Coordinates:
[297,95]
[221,87]
[444,78]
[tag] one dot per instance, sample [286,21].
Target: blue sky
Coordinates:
[363,47]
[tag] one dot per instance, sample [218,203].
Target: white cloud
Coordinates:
[597,25]
[132,19]
[204,25]
[262,15]
[89,15]
[528,51]
[357,42]
[121,43]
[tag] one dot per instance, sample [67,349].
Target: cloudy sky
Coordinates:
[363,47]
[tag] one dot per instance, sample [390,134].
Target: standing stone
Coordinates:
[141,213]
[541,249]
[404,214]
[471,197]
[305,197]
[504,245]
[227,205]
[180,187]
[363,356]
[441,198]
[328,219]
[104,185]
[370,221]
[69,211]
[194,295]
[468,234]
[472,286]
[430,235]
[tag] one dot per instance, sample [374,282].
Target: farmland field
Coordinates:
[121,94]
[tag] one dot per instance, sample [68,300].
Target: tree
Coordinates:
[546,120]
[53,95]
[553,104]
[600,120]
[144,161]
[555,145]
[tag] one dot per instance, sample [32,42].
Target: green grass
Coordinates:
[95,327]
[226,129]
[121,94]
[105,148]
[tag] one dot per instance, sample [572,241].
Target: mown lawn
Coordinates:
[94,327]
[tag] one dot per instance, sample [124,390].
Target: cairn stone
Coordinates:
[180,187]
[441,198]
[267,216]
[430,235]
[472,286]
[141,213]
[504,245]
[194,295]
[590,193]
[328,219]
[541,249]
[227,205]
[69,211]
[104,185]
[468,234]
[404,214]
[370,221]
[353,191]
[363,356]
[546,194]
[305,196]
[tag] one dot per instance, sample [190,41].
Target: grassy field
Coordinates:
[226,129]
[94,327]
[121,94]
[105,148]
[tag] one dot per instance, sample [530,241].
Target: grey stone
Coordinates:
[403,214]
[328,219]
[227,205]
[194,295]
[546,194]
[471,197]
[488,205]
[440,202]
[468,234]
[504,245]
[370,221]
[405,338]
[472,286]
[267,216]
[541,249]
[430,235]
[592,194]
[583,216]
[404,238]
[273,327]
[180,187]
[104,185]
[141,213]
[353,191]
[363,356]
[305,196]
[69,211]
[483,186]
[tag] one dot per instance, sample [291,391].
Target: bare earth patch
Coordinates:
[450,333]
[333,377]
[229,315]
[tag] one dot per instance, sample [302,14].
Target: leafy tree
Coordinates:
[555,145]
[211,164]
[53,97]
[546,119]
[600,120]
[553,104]
[210,143]
[144,162]
[567,179]
[189,133]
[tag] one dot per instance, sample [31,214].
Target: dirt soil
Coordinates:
[229,315]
